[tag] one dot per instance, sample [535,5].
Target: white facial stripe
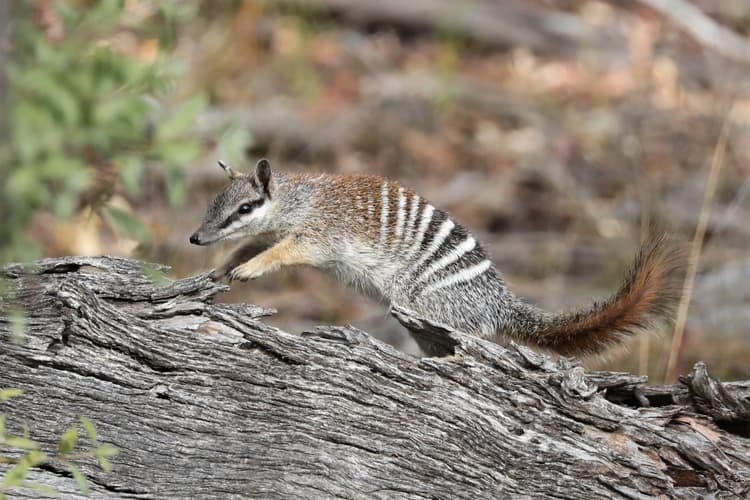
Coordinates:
[462,276]
[258,213]
[384,214]
[235,225]
[465,246]
[400,216]
[426,219]
[445,229]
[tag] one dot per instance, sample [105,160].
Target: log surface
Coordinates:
[206,400]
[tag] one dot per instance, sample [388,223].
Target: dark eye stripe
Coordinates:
[229,220]
[236,214]
[252,204]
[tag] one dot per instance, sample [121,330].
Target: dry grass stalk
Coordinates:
[697,245]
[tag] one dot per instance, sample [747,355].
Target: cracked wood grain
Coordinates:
[206,400]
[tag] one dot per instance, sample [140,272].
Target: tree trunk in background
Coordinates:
[4,48]
[206,400]
[4,125]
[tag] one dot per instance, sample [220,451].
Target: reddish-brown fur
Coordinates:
[650,291]
[343,202]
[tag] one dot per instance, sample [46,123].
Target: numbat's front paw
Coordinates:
[245,272]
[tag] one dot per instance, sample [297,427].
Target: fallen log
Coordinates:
[204,400]
[484,22]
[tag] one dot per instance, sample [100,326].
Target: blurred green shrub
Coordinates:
[28,454]
[83,117]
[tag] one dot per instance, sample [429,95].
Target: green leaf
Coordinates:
[88,425]
[68,441]
[77,179]
[27,121]
[176,188]
[106,450]
[83,483]
[178,153]
[65,204]
[25,187]
[35,458]
[182,119]
[131,173]
[156,275]
[6,394]
[123,117]
[69,13]
[17,326]
[15,475]
[104,13]
[127,224]
[233,143]
[105,464]
[21,442]
[51,92]
[2,427]
[58,166]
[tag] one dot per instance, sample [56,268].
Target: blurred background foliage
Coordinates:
[556,130]
[93,101]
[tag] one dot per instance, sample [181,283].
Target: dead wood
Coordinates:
[206,400]
[485,22]
[704,29]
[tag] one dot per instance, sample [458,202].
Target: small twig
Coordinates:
[697,245]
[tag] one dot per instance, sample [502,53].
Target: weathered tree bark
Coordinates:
[205,400]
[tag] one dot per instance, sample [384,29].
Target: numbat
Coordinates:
[384,238]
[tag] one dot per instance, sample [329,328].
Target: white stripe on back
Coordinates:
[445,229]
[384,214]
[400,217]
[462,276]
[426,219]
[462,248]
[409,228]
[370,208]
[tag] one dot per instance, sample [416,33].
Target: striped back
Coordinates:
[433,250]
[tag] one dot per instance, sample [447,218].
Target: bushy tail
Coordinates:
[649,294]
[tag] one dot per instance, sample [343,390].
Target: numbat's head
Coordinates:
[241,209]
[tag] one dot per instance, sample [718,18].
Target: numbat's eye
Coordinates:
[245,208]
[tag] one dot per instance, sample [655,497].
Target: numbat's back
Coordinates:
[384,238]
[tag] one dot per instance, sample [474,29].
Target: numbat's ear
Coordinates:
[263,175]
[232,174]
